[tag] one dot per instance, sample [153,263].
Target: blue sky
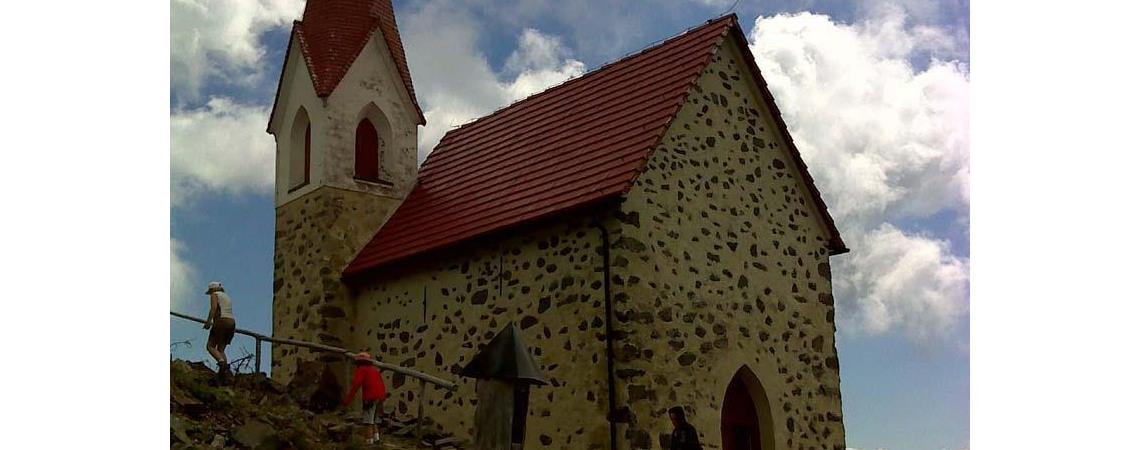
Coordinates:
[876,94]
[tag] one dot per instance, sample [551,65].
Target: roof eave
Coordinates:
[350,274]
[837,247]
[281,77]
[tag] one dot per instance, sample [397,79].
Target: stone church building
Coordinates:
[649,226]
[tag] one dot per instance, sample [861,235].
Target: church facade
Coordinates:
[649,226]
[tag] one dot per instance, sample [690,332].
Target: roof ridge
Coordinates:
[333,34]
[613,76]
[652,46]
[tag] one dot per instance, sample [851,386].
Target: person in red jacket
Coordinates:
[373,393]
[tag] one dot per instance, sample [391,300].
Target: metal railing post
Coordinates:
[420,415]
[257,354]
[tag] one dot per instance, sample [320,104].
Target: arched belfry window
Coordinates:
[367,151]
[373,136]
[300,150]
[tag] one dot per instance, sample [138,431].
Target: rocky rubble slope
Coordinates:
[250,411]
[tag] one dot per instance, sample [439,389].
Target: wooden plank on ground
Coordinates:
[406,430]
[447,441]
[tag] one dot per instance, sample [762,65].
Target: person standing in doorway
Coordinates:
[684,435]
[221,324]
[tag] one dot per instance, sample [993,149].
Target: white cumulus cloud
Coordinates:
[540,61]
[885,141]
[182,276]
[454,81]
[220,148]
[536,51]
[903,282]
[221,38]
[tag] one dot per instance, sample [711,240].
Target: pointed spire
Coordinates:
[506,357]
[333,32]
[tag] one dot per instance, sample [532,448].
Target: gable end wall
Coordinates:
[731,265]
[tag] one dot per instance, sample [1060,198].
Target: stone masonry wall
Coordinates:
[551,283]
[728,268]
[719,263]
[316,237]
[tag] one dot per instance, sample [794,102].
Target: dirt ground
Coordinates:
[250,411]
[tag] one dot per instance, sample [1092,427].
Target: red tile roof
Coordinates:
[573,145]
[332,33]
[582,141]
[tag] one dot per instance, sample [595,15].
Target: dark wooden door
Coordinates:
[740,428]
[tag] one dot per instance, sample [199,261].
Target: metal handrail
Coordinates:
[327,348]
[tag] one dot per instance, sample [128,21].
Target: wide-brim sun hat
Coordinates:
[213,286]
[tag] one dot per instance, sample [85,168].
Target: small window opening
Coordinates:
[367,151]
[300,151]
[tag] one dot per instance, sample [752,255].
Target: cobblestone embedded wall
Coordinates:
[719,263]
[316,236]
[321,226]
[551,283]
[729,269]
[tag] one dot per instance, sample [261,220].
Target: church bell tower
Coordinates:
[345,120]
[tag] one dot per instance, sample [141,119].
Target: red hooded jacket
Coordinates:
[368,377]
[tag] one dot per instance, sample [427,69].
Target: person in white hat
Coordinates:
[221,324]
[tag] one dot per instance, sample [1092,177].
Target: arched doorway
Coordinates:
[746,420]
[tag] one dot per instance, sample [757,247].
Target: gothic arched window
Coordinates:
[300,150]
[367,151]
